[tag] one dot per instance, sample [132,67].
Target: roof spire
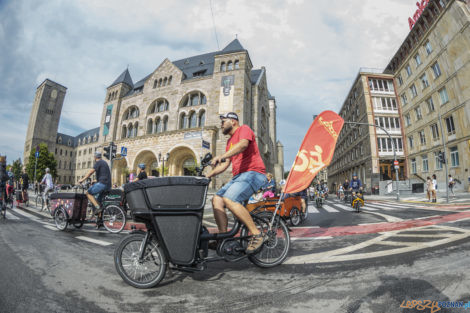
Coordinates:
[125,78]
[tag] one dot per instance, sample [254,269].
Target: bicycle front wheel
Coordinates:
[277,243]
[114,218]
[145,273]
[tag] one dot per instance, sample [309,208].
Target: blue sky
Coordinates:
[312,51]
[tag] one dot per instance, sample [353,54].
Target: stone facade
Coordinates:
[432,74]
[169,114]
[364,149]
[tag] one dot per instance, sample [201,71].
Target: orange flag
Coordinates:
[315,152]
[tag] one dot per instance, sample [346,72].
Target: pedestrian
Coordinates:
[429,187]
[270,184]
[434,190]
[451,184]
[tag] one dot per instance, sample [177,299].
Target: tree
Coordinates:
[45,160]
[17,169]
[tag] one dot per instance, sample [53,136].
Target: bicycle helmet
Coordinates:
[141,166]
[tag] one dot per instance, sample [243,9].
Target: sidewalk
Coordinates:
[460,197]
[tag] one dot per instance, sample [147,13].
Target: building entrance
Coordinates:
[387,170]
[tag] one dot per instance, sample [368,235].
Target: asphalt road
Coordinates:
[340,261]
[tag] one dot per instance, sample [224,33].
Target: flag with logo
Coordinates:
[316,151]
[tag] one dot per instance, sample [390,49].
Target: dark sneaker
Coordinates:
[98,211]
[255,244]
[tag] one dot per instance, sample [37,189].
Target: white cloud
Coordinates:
[312,50]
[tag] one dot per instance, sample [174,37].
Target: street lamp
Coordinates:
[162,159]
[393,148]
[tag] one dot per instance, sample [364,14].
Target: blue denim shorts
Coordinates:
[97,189]
[242,186]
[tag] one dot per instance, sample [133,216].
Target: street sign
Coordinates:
[397,167]
[123,151]
[395,163]
[36,154]
[206,144]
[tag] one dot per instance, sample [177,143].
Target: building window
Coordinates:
[165,123]
[184,121]
[237,64]
[424,80]
[229,65]
[132,112]
[192,120]
[380,85]
[443,95]
[410,141]
[418,113]
[404,99]
[407,119]
[430,104]
[454,157]
[123,133]
[428,47]
[450,125]
[149,126]
[425,163]
[400,79]
[158,126]
[193,99]
[418,60]
[413,90]
[222,67]
[413,166]
[436,161]
[422,137]
[436,69]
[202,119]
[435,132]
[408,70]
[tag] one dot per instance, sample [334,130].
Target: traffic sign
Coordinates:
[206,144]
[36,154]
[395,162]
[123,151]
[397,167]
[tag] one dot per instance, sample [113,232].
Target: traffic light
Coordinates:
[442,157]
[113,150]
[106,152]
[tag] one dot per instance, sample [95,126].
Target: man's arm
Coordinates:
[239,147]
[220,168]
[87,175]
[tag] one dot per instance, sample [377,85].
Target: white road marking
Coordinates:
[310,238]
[370,224]
[425,217]
[380,207]
[96,241]
[31,217]
[50,227]
[329,209]
[305,227]
[312,209]
[344,207]
[388,218]
[11,216]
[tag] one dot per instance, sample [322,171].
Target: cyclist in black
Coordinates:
[142,174]
[25,185]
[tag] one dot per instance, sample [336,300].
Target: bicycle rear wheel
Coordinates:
[277,243]
[114,218]
[140,274]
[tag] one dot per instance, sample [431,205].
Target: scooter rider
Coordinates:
[248,177]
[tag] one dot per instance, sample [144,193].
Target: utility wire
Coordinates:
[213,23]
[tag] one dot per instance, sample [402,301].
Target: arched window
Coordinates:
[109,97]
[124,131]
[69,143]
[165,123]
[222,67]
[193,98]
[155,83]
[169,80]
[158,125]
[263,118]
[130,131]
[95,137]
[162,105]
[164,81]
[183,119]
[149,126]
[229,65]
[160,82]
[132,112]
[192,120]
[136,127]
[202,118]
[237,64]
[59,140]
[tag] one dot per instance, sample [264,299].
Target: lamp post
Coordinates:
[393,148]
[162,159]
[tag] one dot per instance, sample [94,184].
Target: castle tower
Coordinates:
[44,119]
[112,105]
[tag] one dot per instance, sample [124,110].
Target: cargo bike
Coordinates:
[290,208]
[71,208]
[172,209]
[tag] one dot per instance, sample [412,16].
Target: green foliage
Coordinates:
[17,169]
[46,160]
[286,174]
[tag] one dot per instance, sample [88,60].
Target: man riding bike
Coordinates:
[248,177]
[47,180]
[355,185]
[103,177]
[25,184]
[142,174]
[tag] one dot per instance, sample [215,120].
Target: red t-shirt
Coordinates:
[248,160]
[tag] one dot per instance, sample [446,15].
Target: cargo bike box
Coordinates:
[74,204]
[174,206]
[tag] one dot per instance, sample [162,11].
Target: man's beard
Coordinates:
[227,130]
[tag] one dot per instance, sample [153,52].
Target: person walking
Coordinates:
[451,184]
[429,187]
[434,188]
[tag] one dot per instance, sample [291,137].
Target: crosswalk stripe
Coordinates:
[312,209]
[379,206]
[98,242]
[10,216]
[329,209]
[344,207]
[31,217]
